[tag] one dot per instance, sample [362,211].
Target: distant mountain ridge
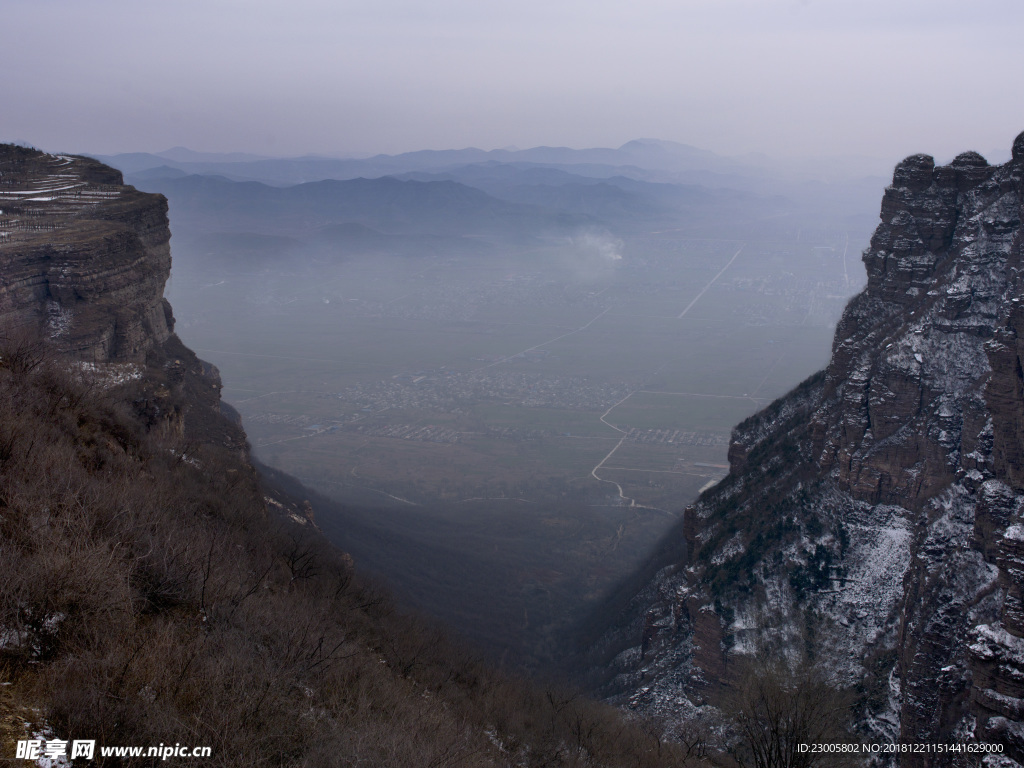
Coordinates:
[657,174]
[650,153]
[385,204]
[519,201]
[650,159]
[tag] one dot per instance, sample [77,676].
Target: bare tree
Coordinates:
[780,714]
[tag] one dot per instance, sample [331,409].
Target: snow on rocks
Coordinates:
[107,375]
[867,596]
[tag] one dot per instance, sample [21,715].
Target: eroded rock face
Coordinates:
[82,255]
[875,515]
[84,259]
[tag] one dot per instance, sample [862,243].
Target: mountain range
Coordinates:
[829,185]
[871,521]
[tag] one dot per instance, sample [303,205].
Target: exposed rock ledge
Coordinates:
[82,255]
[86,258]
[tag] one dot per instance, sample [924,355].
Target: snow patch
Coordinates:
[58,319]
[106,375]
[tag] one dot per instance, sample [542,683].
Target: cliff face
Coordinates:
[82,255]
[874,515]
[85,258]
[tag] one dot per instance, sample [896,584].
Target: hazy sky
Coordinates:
[783,77]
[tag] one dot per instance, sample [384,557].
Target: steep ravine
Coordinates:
[873,516]
[154,589]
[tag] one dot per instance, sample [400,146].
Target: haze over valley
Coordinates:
[521,371]
[549,383]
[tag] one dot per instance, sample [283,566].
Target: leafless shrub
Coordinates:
[23,350]
[779,712]
[148,599]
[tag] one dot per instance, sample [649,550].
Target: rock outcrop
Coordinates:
[85,258]
[83,255]
[875,515]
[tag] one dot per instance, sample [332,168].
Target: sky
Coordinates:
[786,78]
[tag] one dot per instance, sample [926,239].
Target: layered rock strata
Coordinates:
[85,258]
[874,517]
[82,255]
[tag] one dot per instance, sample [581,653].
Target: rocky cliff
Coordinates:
[84,260]
[83,255]
[873,517]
